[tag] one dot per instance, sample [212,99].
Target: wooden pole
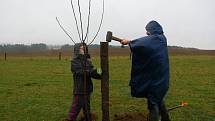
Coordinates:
[105,80]
[5,56]
[60,55]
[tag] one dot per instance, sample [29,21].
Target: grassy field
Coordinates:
[40,89]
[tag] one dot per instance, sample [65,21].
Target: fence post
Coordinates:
[105,80]
[60,55]
[5,56]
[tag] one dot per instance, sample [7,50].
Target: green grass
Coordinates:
[40,89]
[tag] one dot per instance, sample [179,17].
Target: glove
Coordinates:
[97,73]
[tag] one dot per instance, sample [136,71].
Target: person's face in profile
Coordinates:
[81,50]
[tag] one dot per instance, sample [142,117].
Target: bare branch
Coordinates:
[76,22]
[88,24]
[64,30]
[80,15]
[99,24]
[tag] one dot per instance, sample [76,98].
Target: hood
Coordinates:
[154,28]
[77,48]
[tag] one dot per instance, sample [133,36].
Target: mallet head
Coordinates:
[109,36]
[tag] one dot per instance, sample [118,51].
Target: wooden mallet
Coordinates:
[110,37]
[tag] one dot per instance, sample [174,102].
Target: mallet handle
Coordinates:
[116,39]
[174,108]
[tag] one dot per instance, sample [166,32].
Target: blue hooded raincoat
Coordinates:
[150,64]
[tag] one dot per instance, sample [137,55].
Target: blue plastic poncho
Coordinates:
[150,64]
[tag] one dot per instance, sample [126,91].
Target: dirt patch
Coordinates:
[122,117]
[93,116]
[130,117]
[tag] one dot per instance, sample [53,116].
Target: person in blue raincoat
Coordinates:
[150,70]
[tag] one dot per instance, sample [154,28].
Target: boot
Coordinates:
[164,113]
[153,114]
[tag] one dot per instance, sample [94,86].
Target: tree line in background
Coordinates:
[41,47]
[22,48]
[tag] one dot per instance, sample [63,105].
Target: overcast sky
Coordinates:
[187,23]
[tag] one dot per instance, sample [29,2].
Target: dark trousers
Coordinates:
[80,102]
[157,110]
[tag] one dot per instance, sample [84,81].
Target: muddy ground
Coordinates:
[130,117]
[122,117]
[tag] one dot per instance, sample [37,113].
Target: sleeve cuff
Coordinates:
[130,45]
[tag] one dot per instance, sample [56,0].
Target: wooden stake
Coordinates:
[105,81]
[5,56]
[59,55]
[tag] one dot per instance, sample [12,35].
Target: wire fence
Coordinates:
[59,54]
